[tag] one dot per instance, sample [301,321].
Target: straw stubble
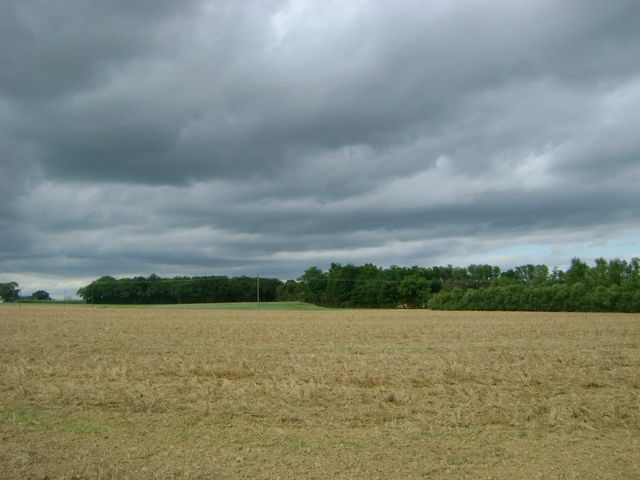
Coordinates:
[142,393]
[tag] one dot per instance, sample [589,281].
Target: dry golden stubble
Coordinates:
[142,393]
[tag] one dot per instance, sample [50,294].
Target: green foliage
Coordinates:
[288,291]
[312,285]
[608,286]
[41,295]
[553,298]
[156,290]
[9,291]
[577,271]
[413,291]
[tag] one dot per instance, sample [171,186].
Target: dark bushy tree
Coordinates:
[413,291]
[41,295]
[288,291]
[313,284]
[9,291]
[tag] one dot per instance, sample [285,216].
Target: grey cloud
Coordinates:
[230,97]
[56,49]
[240,136]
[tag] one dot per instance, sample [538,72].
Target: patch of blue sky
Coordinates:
[624,248]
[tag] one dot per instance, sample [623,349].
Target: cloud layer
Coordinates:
[264,137]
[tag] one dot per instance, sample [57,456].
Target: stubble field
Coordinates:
[164,393]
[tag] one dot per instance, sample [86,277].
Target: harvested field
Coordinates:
[150,393]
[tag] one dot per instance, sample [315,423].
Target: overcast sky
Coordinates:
[263,137]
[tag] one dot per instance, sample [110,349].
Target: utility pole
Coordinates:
[258,290]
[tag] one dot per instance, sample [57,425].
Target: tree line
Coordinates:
[157,290]
[607,286]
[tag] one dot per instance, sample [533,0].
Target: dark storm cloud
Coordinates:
[216,90]
[50,50]
[187,137]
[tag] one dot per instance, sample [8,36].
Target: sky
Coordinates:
[264,137]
